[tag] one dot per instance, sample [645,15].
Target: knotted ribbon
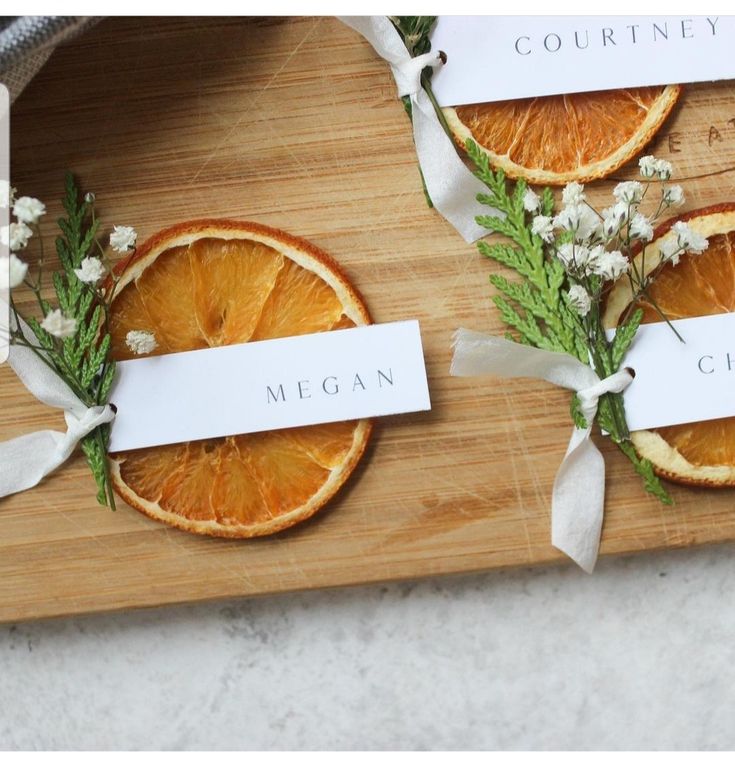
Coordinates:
[452,187]
[578,497]
[25,460]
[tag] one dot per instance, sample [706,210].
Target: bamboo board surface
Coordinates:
[294,123]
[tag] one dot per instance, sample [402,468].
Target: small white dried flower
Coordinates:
[28,209]
[58,325]
[580,219]
[579,299]
[123,238]
[89,197]
[670,250]
[641,228]
[664,169]
[19,235]
[573,194]
[574,256]
[141,342]
[609,265]
[17,270]
[531,201]
[673,195]
[613,218]
[647,165]
[543,226]
[7,194]
[91,270]
[565,254]
[689,239]
[629,192]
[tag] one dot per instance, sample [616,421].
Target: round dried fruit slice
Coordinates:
[214,282]
[556,139]
[701,453]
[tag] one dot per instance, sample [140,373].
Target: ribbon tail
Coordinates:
[452,187]
[578,501]
[25,460]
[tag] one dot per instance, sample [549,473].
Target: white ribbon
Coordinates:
[452,187]
[25,460]
[578,497]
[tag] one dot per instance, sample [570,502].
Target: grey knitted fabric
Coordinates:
[26,42]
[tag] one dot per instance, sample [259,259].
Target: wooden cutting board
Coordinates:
[294,123]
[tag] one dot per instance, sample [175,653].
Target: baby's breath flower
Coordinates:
[572,194]
[531,201]
[141,342]
[122,238]
[7,195]
[574,256]
[58,325]
[579,299]
[19,235]
[689,239]
[673,195]
[89,197]
[647,165]
[670,250]
[565,254]
[91,270]
[609,265]
[664,169]
[641,228]
[613,218]
[629,192]
[580,219]
[17,270]
[28,209]
[543,226]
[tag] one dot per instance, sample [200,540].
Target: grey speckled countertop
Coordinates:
[640,655]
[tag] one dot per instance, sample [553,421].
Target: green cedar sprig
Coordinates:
[82,360]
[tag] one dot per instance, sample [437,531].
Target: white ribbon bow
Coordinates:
[25,460]
[578,497]
[452,187]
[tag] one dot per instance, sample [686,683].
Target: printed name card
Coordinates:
[493,58]
[264,385]
[679,382]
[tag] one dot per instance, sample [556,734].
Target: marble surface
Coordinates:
[640,655]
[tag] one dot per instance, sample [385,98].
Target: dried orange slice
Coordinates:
[209,283]
[556,139]
[700,453]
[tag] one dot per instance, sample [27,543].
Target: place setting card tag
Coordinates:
[494,58]
[340,375]
[681,382]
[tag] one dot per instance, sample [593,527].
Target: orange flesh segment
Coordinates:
[166,289]
[287,475]
[527,130]
[217,292]
[231,281]
[130,314]
[699,285]
[300,302]
[236,496]
[148,469]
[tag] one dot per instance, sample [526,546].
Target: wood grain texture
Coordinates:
[294,123]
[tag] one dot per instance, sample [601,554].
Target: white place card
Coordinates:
[493,58]
[264,385]
[679,382]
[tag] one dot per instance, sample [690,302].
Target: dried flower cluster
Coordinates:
[595,246]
